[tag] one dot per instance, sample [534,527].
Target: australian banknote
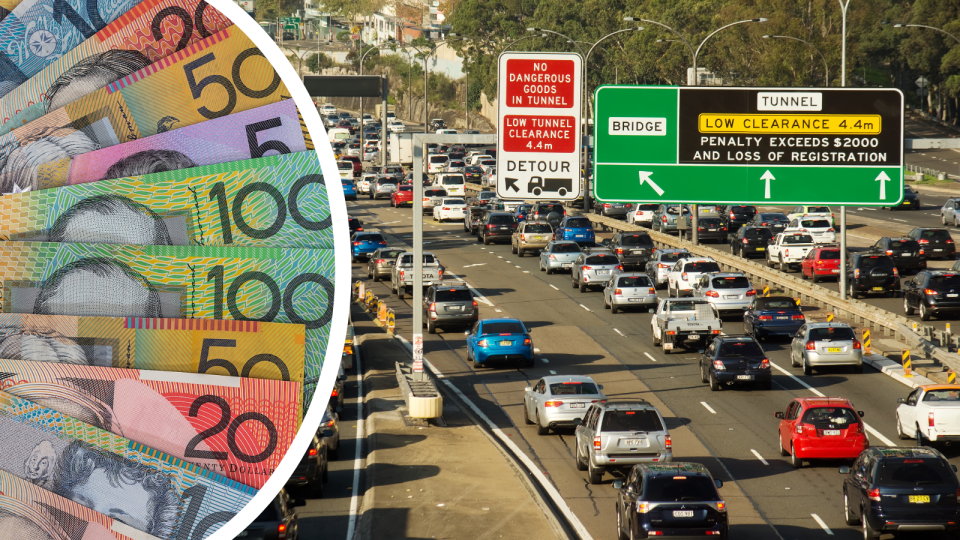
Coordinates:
[265,284]
[152,30]
[146,489]
[276,201]
[239,427]
[261,350]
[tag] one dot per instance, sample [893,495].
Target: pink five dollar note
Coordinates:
[237,427]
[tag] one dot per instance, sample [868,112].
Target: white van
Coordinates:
[476,159]
[447,132]
[452,182]
[339,134]
[436,162]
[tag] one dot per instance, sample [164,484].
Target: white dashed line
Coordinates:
[900,220]
[499,256]
[619,332]
[469,265]
[519,267]
[822,524]
[476,294]
[759,456]
[652,359]
[545,361]
[709,408]
[554,287]
[536,350]
[552,372]
[525,271]
[584,307]
[498,310]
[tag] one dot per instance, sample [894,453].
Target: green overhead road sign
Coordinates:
[841,146]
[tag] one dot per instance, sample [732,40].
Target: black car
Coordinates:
[311,472]
[541,210]
[473,173]
[278,521]
[775,221]
[736,215]
[496,226]
[709,228]
[751,241]
[670,500]
[936,243]
[735,360]
[932,292]
[772,316]
[355,225]
[870,273]
[899,489]
[911,201]
[632,248]
[393,171]
[905,252]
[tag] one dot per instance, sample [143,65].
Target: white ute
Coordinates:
[930,414]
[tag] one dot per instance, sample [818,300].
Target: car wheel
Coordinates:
[851,293]
[924,312]
[850,519]
[583,287]
[548,270]
[943,219]
[519,252]
[526,415]
[813,277]
[921,440]
[541,430]
[431,327]
[581,466]
[573,280]
[783,451]
[605,304]
[794,460]
[703,375]
[513,248]
[906,307]
[783,267]
[714,383]
[803,275]
[868,532]
[900,434]
[593,475]
[614,309]
[793,360]
[807,370]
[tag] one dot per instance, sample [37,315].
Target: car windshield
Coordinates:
[647,207]
[547,208]
[453,201]
[777,304]
[731,282]
[453,295]
[566,248]
[910,245]
[829,254]
[633,281]
[455,164]
[438,159]
[815,223]
[685,306]
[370,238]
[758,234]
[406,188]
[913,472]
[740,348]
[673,257]
[434,192]
[345,165]
[675,210]
[601,259]
[773,217]
[501,220]
[821,417]
[452,180]
[832,333]
[636,240]
[742,209]
[639,420]
[486,195]
[537,228]
[946,281]
[797,239]
[883,262]
[408,259]
[502,327]
[578,223]
[391,254]
[702,267]
[935,234]
[573,388]
[664,488]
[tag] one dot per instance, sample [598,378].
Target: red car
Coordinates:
[357,164]
[821,262]
[403,195]
[821,428]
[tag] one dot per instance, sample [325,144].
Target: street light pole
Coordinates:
[826,73]
[941,30]
[696,76]
[508,45]
[843,209]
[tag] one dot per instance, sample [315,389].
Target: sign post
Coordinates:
[840,146]
[538,121]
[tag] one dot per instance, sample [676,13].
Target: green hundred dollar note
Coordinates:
[276,201]
[223,74]
[262,284]
[146,489]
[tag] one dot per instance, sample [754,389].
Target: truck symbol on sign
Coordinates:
[560,186]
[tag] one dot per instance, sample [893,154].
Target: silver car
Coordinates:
[665,218]
[826,344]
[726,291]
[661,262]
[950,213]
[593,268]
[384,187]
[559,255]
[560,401]
[620,435]
[630,289]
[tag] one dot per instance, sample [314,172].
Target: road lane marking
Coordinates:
[866,426]
[552,372]
[619,332]
[900,220]
[498,310]
[759,456]
[707,407]
[536,350]
[822,524]
[584,307]
[652,359]
[476,293]
[554,287]
[477,264]
[545,361]
[498,256]
[525,271]
[357,456]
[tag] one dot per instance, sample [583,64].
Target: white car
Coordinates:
[817,227]
[449,209]
[803,211]
[437,162]
[396,127]
[368,119]
[363,185]
[475,160]
[684,275]
[641,214]
[328,108]
[370,153]
[930,414]
[345,168]
[447,132]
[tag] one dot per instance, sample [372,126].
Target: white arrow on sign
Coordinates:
[883,179]
[768,176]
[645,177]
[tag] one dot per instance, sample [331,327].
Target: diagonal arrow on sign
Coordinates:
[768,176]
[645,177]
[511,183]
[883,179]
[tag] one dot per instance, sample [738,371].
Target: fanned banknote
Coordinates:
[222,74]
[272,285]
[150,31]
[255,349]
[277,201]
[269,130]
[34,513]
[146,489]
[37,32]
[238,427]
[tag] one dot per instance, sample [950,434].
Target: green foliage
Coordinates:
[343,36]
[318,61]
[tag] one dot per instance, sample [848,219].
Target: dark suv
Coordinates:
[894,489]
[449,305]
[736,215]
[632,248]
[670,500]
[932,293]
[735,360]
[751,242]
[709,228]
[870,273]
[496,226]
[935,242]
[905,252]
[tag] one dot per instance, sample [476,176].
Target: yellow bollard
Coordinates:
[866,341]
[907,365]
[391,321]
[766,291]
[829,317]
[796,301]
[951,377]
[382,312]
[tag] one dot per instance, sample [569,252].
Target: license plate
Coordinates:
[906,203]
[538,238]
[834,349]
[603,271]
[836,270]
[731,296]
[951,296]
[634,299]
[831,432]
[779,318]
[694,336]
[878,288]
[577,405]
[567,265]
[712,230]
[632,442]
[581,236]
[918,498]
[683,513]
[744,377]
[761,249]
[454,308]
[938,249]
[506,343]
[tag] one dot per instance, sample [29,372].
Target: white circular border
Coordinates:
[342,272]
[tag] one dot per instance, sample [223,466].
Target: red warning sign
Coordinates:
[540,83]
[523,133]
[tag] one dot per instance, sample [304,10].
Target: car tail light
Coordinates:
[896,273]
[618,292]
[445,208]
[924,241]
[811,346]
[380,261]
[312,452]
[745,241]
[489,225]
[671,332]
[619,267]
[949,241]
[433,306]
[930,292]
[606,205]
[856,272]
[661,265]
[732,216]
[930,419]
[668,442]
[361,228]
[334,393]
[831,230]
[874,494]
[799,429]
[619,251]
[765,364]
[482,343]
[921,252]
[402,273]
[721,507]
[664,219]
[440,274]
[889,252]
[712,294]
[859,428]
[553,257]
[552,403]
[765,317]
[718,365]
[797,317]
[586,268]
[751,292]
[596,443]
[527,341]
[764,223]
[357,243]
[717,331]
[642,508]
[683,276]
[282,531]
[651,291]
[723,228]
[475,304]
[700,229]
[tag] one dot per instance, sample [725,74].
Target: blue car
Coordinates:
[499,339]
[349,190]
[521,212]
[772,316]
[364,243]
[577,229]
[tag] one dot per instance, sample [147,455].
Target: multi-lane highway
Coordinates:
[733,431]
